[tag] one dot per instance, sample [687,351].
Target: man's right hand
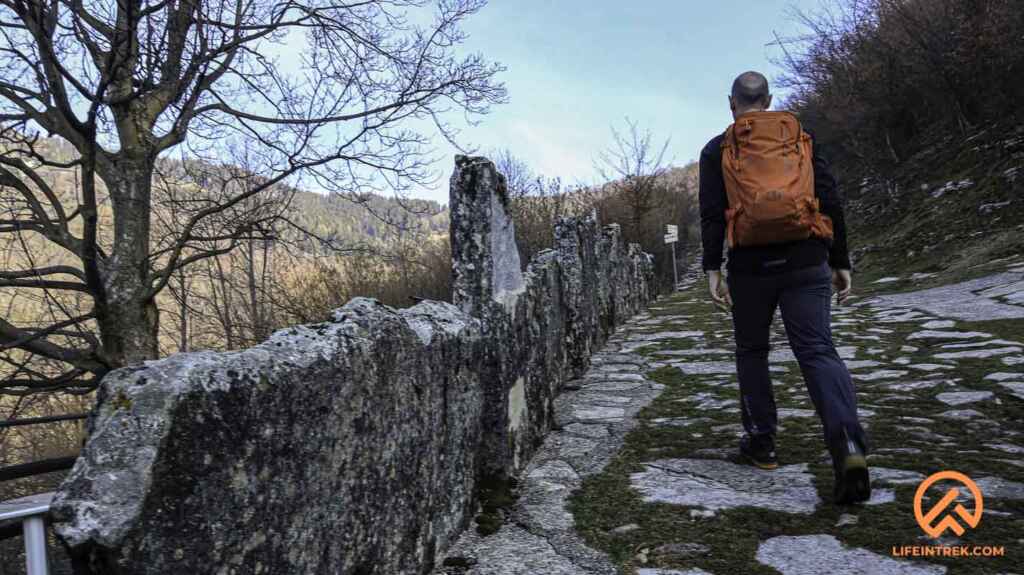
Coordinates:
[719,291]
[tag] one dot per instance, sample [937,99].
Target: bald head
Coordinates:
[750,91]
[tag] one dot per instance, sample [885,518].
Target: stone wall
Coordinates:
[355,446]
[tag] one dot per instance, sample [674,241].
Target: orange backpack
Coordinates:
[769,180]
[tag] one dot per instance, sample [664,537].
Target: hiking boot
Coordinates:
[851,473]
[759,450]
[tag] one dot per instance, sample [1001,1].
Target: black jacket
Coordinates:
[773,258]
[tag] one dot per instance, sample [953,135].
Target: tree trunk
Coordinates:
[256,315]
[224,310]
[127,315]
[266,313]
[183,312]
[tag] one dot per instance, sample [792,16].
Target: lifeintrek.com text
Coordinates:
[948,551]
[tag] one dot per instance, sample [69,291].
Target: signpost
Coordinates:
[671,237]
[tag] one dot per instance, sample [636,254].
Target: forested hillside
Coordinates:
[339,220]
[917,102]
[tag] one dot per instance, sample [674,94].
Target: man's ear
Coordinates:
[768,102]
[732,104]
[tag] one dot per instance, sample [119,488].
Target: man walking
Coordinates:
[766,189]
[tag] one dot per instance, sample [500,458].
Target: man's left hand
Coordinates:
[843,284]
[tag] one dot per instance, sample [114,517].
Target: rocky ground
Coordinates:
[642,477]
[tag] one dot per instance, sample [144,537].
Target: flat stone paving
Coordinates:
[820,554]
[715,485]
[936,391]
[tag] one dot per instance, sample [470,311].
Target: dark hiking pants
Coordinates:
[804,296]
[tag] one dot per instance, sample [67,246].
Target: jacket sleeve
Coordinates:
[713,204]
[827,190]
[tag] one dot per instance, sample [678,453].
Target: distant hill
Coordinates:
[345,220]
[371,221]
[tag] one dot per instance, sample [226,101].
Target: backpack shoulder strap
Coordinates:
[727,136]
[797,121]
[729,140]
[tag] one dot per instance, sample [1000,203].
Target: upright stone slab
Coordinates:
[487,281]
[485,259]
[576,257]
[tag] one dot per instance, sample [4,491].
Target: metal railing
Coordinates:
[31,512]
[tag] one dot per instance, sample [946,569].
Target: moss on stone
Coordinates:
[496,495]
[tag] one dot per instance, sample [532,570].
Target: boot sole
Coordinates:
[760,464]
[855,485]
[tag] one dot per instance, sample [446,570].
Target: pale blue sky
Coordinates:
[577,66]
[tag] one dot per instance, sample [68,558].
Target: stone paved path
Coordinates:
[642,475]
[593,416]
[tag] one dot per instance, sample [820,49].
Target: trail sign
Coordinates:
[671,237]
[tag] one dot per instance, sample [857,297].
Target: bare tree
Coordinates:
[264,91]
[519,178]
[634,167]
[536,203]
[643,193]
[181,289]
